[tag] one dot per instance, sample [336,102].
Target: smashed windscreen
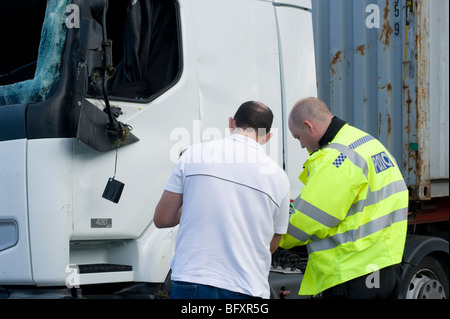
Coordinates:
[145,47]
[53,36]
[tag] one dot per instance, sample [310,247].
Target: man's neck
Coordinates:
[248,133]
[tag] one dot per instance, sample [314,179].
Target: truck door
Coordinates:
[298,75]
[154,88]
[61,161]
[237,61]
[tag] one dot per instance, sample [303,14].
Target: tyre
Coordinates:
[429,280]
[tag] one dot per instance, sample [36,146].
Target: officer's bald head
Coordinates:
[308,121]
[311,109]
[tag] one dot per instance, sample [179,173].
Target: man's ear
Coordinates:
[268,136]
[231,124]
[265,138]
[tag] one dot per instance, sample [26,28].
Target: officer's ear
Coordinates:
[309,126]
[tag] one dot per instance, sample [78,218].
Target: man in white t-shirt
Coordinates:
[235,207]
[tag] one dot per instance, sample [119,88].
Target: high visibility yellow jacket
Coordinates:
[352,211]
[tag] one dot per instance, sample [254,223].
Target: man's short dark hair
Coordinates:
[254,115]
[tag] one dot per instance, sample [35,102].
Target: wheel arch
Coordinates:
[416,249]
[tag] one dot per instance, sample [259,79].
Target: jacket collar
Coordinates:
[335,126]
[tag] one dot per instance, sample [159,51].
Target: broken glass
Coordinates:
[53,36]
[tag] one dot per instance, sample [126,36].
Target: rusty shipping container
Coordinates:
[383,67]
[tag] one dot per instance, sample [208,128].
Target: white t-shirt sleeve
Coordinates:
[176,180]
[281,217]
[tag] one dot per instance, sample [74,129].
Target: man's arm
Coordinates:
[168,210]
[275,242]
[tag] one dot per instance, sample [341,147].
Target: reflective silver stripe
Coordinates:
[372,198]
[363,231]
[377,196]
[363,140]
[300,234]
[330,221]
[297,233]
[315,213]
[354,157]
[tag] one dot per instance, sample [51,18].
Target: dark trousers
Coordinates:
[186,290]
[381,285]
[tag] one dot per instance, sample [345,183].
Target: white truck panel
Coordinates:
[237,61]
[50,209]
[15,263]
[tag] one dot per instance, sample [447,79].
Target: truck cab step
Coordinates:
[89,274]
[96,268]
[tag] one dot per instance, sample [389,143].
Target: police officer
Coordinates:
[352,211]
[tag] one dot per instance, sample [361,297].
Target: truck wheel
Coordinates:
[429,280]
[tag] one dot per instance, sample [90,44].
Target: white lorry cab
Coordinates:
[120,89]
